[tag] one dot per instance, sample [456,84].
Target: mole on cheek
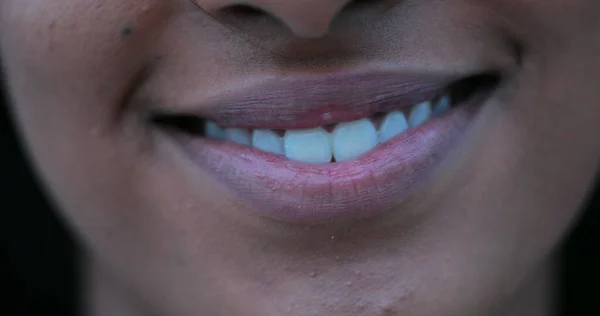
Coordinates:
[126,31]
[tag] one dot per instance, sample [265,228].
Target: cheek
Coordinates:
[70,66]
[542,24]
[74,48]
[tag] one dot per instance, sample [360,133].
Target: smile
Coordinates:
[336,147]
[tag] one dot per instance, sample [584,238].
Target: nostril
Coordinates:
[362,2]
[379,5]
[298,16]
[244,10]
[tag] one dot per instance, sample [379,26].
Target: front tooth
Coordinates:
[239,135]
[353,139]
[267,140]
[419,114]
[214,131]
[310,146]
[442,106]
[393,125]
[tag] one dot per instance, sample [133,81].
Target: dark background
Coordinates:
[39,262]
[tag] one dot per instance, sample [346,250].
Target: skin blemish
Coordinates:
[126,31]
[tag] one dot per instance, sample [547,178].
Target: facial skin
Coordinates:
[170,240]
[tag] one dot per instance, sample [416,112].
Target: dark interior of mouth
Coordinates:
[460,92]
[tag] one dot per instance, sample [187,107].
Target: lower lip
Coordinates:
[294,192]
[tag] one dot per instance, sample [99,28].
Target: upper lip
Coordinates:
[315,100]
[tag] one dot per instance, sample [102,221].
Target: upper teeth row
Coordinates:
[347,141]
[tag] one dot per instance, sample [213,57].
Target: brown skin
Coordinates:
[168,240]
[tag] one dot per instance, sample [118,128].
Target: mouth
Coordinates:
[336,148]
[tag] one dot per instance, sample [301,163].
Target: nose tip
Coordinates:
[305,18]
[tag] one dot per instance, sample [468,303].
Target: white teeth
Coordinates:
[310,146]
[239,135]
[347,141]
[442,106]
[353,139]
[267,140]
[393,125]
[212,130]
[419,114]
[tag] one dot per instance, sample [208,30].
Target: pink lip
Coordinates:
[284,190]
[318,100]
[294,192]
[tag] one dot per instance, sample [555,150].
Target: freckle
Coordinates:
[126,31]
[158,57]
[52,25]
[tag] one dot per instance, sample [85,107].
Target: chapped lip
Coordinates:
[310,101]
